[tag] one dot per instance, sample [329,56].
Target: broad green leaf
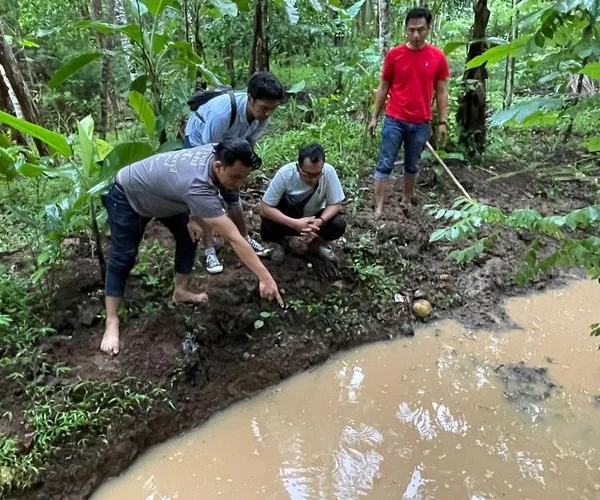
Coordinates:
[520,112]
[103,148]
[156,7]
[85,129]
[592,70]
[29,43]
[354,9]
[291,11]
[209,75]
[259,323]
[54,140]
[144,110]
[121,156]
[140,84]
[498,53]
[159,42]
[74,65]
[30,170]
[172,145]
[316,5]
[137,5]
[297,87]
[452,46]
[225,7]
[7,165]
[134,32]
[593,144]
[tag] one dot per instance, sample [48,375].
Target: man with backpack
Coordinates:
[222,114]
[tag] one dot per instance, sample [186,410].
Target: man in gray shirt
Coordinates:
[304,199]
[181,189]
[242,115]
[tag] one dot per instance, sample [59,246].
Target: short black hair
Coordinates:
[314,152]
[419,13]
[263,85]
[229,151]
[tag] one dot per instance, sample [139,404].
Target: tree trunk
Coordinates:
[472,106]
[119,15]
[103,43]
[9,104]
[509,73]
[16,81]
[384,25]
[260,46]
[229,59]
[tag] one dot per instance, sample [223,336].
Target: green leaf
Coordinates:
[54,140]
[85,129]
[592,70]
[7,165]
[354,9]
[30,170]
[225,7]
[121,156]
[297,87]
[159,42]
[266,314]
[291,11]
[74,65]
[102,148]
[316,5]
[144,110]
[156,7]
[593,144]
[520,112]
[140,84]
[452,46]
[258,324]
[498,53]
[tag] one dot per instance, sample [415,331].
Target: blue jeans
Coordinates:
[126,232]
[395,132]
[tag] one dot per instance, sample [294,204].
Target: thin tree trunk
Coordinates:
[472,106]
[17,83]
[509,74]
[384,25]
[105,103]
[9,104]
[260,45]
[119,14]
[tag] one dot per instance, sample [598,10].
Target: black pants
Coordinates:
[272,231]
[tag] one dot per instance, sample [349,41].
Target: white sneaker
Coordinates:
[213,264]
[326,252]
[258,248]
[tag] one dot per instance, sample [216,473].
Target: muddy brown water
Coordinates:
[451,413]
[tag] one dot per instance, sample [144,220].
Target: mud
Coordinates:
[209,356]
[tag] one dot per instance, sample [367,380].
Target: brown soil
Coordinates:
[209,356]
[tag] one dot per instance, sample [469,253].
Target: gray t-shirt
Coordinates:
[287,181]
[173,183]
[216,114]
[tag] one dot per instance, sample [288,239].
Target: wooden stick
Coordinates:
[454,179]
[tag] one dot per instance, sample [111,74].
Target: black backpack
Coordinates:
[203,96]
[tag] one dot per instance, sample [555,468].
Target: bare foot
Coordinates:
[181,295]
[110,340]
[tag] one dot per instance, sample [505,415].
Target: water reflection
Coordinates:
[422,418]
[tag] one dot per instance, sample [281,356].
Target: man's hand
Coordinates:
[195,230]
[305,225]
[372,125]
[441,134]
[268,290]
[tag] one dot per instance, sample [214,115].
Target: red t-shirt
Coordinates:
[412,75]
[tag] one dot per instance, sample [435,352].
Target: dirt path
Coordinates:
[210,356]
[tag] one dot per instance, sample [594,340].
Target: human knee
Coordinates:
[334,229]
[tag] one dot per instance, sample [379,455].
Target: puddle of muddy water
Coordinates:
[448,414]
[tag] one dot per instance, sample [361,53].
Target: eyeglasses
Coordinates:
[310,175]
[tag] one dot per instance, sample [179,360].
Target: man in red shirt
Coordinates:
[411,73]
